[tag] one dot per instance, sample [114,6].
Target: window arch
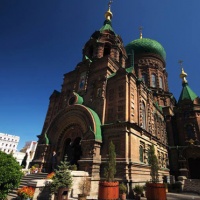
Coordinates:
[155,124]
[190,131]
[106,50]
[143,109]
[153,80]
[160,82]
[144,78]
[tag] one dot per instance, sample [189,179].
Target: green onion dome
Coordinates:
[146,45]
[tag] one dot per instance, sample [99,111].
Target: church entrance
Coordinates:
[72,151]
[194,166]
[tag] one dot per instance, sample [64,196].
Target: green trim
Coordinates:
[157,106]
[97,133]
[87,58]
[187,93]
[46,139]
[113,74]
[79,99]
[129,70]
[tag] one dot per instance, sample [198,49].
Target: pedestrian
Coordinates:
[53,161]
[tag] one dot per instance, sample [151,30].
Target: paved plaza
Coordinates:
[182,196]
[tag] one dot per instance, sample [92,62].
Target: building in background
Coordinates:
[29,151]
[8,143]
[19,156]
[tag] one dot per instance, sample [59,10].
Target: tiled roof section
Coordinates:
[187,93]
[146,45]
[107,26]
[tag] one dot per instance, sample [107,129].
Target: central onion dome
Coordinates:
[146,45]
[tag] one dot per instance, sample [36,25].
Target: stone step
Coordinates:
[24,182]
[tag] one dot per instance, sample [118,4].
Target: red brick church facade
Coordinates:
[121,93]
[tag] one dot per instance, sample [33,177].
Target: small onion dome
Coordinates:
[146,45]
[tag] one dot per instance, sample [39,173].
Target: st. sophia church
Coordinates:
[120,93]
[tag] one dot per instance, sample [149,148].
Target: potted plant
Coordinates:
[62,180]
[138,189]
[154,189]
[122,191]
[109,189]
[25,193]
[84,187]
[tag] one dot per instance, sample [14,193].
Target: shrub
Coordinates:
[10,174]
[84,186]
[122,188]
[62,178]
[153,161]
[138,189]
[110,168]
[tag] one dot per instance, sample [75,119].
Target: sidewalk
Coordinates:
[182,196]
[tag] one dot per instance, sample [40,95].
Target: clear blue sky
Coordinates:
[40,40]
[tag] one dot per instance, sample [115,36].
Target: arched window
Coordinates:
[106,50]
[160,82]
[143,115]
[144,78]
[153,80]
[155,124]
[141,153]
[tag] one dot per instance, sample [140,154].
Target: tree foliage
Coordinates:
[153,161]
[10,174]
[62,178]
[110,168]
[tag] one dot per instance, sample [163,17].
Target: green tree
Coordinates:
[10,174]
[153,161]
[110,168]
[62,178]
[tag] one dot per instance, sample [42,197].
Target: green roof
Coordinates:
[107,26]
[187,93]
[146,45]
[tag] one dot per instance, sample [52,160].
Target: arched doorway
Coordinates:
[72,150]
[194,166]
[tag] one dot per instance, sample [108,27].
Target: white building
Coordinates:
[8,143]
[19,156]
[29,149]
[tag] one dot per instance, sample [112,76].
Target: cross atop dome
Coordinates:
[183,75]
[108,14]
[140,29]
